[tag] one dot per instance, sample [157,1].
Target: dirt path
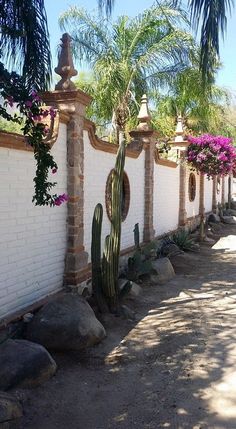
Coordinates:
[175,367]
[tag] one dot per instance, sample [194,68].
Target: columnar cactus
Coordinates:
[107,276]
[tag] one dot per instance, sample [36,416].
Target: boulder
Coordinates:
[171,249]
[214,218]
[66,323]
[10,408]
[229,220]
[24,364]
[164,271]
[229,212]
[135,290]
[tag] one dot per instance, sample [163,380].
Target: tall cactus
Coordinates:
[96,257]
[108,274]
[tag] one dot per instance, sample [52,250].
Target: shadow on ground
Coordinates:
[174,367]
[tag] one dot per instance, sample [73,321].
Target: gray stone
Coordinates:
[164,271]
[229,220]
[214,218]
[127,312]
[66,323]
[171,249]
[10,408]
[135,290]
[229,212]
[24,364]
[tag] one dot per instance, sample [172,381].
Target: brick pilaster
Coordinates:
[223,190]
[182,190]
[201,196]
[214,201]
[148,231]
[72,103]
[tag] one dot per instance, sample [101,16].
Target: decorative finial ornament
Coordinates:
[179,132]
[144,116]
[65,67]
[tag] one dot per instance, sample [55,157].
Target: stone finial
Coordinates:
[179,131]
[65,67]
[144,116]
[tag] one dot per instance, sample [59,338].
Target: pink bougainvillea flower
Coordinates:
[28,103]
[60,199]
[10,101]
[211,155]
[52,113]
[35,96]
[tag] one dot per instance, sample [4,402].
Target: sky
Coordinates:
[226,76]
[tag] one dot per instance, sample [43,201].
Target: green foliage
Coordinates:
[10,127]
[203,107]
[129,57]
[182,240]
[212,16]
[105,276]
[140,263]
[24,41]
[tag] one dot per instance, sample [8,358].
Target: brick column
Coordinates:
[214,203]
[145,134]
[148,231]
[223,191]
[230,190]
[72,103]
[201,196]
[182,190]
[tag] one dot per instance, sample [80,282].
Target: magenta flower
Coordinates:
[10,101]
[60,199]
[29,104]
[54,170]
[211,155]
[52,113]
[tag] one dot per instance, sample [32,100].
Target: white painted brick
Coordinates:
[26,260]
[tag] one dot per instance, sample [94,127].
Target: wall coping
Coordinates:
[133,150]
[19,142]
[163,161]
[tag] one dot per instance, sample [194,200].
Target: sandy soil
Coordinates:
[174,367]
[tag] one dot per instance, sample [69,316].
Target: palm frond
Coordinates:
[24,40]
[212,16]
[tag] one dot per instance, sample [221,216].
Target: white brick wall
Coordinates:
[166,199]
[208,187]
[219,192]
[32,239]
[97,166]
[192,207]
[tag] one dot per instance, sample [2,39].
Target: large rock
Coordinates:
[229,212]
[24,364]
[10,408]
[164,271]
[214,218]
[135,290]
[67,323]
[231,220]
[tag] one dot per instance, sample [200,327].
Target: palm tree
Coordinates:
[130,56]
[24,41]
[211,16]
[202,107]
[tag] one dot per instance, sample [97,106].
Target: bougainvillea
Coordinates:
[211,155]
[31,117]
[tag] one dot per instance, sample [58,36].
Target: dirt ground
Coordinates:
[174,367]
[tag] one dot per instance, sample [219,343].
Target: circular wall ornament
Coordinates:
[192,187]
[125,195]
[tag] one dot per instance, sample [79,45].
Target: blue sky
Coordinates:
[227,75]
